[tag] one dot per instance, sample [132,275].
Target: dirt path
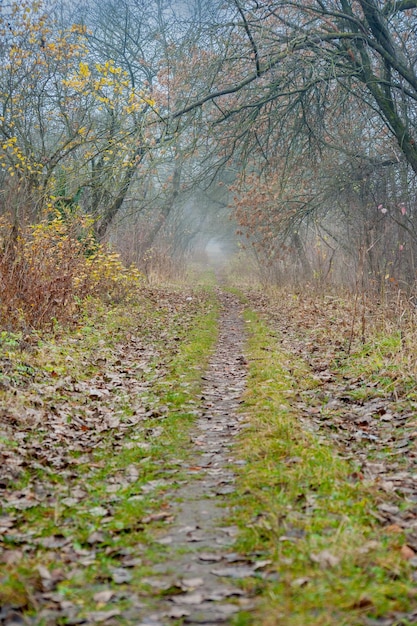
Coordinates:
[200,560]
[78,520]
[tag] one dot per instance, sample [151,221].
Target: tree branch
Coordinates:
[395,7]
[250,37]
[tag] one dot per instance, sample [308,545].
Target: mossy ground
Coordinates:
[301,505]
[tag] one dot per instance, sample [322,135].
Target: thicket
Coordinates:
[159,123]
[48,269]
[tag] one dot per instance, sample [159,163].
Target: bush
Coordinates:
[47,269]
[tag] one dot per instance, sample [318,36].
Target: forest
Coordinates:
[208,367]
[161,127]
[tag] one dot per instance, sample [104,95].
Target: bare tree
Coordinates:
[288,59]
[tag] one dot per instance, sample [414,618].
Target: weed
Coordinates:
[49,268]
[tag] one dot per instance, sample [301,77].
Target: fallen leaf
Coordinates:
[325,559]
[103,597]
[99,617]
[162,585]
[44,572]
[407,553]
[234,572]
[262,564]
[300,582]
[388,508]
[96,537]
[177,612]
[210,557]
[224,592]
[98,511]
[393,528]
[157,517]
[121,575]
[191,583]
[70,501]
[188,598]
[11,557]
[153,484]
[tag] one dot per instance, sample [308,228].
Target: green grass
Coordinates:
[123,528]
[298,505]
[387,359]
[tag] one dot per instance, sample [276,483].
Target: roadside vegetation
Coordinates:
[94,419]
[328,491]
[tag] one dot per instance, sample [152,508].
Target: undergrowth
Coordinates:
[300,505]
[48,269]
[112,497]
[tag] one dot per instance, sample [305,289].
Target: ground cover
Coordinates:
[329,486]
[91,422]
[134,488]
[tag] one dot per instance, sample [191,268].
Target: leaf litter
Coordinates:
[369,423]
[61,421]
[56,424]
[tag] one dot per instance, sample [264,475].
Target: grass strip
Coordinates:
[300,505]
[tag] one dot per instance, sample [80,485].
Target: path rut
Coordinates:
[200,561]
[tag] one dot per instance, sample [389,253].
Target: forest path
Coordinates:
[199,558]
[113,506]
[120,474]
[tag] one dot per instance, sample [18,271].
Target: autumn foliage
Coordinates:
[47,269]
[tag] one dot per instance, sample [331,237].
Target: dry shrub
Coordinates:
[106,277]
[161,263]
[47,269]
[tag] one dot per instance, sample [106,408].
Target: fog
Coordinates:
[217,253]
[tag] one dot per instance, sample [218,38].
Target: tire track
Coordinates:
[196,579]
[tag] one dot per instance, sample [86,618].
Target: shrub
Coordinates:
[47,269]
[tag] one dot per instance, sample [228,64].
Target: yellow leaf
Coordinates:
[84,70]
